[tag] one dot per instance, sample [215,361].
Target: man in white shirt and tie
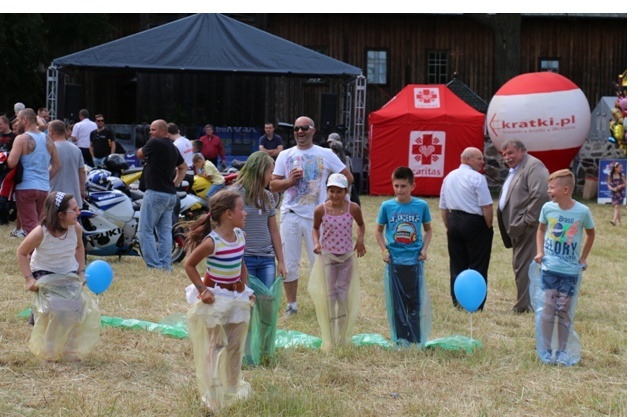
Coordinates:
[520,203]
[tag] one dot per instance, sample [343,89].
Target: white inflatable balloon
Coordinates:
[544,110]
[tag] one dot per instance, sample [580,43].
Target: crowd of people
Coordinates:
[240,235]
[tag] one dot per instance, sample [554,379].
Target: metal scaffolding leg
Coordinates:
[52,91]
[359,125]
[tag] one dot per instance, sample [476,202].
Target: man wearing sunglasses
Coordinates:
[301,173]
[102,142]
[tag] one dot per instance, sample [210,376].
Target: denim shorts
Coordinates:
[565,284]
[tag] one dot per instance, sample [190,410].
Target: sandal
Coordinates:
[613,223]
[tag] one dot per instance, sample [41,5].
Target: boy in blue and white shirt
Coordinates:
[563,255]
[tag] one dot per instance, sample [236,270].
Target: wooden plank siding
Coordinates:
[407,38]
[592,52]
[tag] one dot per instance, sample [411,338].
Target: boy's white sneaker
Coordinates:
[562,358]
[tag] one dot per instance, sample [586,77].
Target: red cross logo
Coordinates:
[427,96]
[426,149]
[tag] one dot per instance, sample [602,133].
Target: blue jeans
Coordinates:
[213,189]
[98,161]
[156,216]
[261,267]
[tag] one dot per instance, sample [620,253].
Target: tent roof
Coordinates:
[449,107]
[208,42]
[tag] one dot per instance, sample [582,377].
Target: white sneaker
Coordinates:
[545,356]
[562,358]
[17,233]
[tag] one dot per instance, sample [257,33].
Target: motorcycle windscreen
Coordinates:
[218,337]
[408,303]
[260,342]
[67,319]
[554,314]
[335,289]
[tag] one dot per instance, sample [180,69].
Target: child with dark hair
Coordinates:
[404,249]
[617,184]
[51,258]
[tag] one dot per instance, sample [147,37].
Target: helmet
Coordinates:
[116,163]
[98,179]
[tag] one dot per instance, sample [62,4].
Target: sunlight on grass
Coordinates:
[135,372]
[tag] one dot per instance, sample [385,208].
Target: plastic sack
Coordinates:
[371,339]
[554,314]
[456,342]
[262,332]
[408,303]
[334,287]
[291,338]
[218,346]
[175,328]
[67,319]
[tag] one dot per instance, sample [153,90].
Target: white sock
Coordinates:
[293,305]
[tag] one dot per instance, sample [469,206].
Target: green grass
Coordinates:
[147,374]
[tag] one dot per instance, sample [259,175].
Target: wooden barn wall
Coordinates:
[407,38]
[592,52]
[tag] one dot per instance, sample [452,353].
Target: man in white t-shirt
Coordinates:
[181,143]
[81,135]
[301,173]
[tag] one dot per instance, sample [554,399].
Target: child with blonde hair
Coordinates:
[562,256]
[220,314]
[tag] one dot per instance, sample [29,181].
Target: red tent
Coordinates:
[425,127]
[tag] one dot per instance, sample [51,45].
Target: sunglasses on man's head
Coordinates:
[304,128]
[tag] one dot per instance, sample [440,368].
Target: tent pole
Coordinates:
[52,91]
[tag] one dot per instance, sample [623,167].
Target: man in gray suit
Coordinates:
[522,197]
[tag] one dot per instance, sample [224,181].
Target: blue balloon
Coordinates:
[470,289]
[99,276]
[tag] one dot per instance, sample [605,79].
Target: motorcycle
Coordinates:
[193,200]
[110,219]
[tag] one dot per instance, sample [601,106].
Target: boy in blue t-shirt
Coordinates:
[404,248]
[562,254]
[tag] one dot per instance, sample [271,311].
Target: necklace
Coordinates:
[61,237]
[335,211]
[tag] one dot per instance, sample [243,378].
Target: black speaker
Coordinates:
[72,102]
[328,112]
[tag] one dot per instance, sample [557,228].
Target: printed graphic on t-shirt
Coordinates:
[306,191]
[405,233]
[562,237]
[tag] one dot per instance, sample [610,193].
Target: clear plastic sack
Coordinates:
[67,319]
[335,289]
[218,332]
[408,303]
[556,340]
[260,342]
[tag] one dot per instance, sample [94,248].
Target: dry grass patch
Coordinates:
[134,372]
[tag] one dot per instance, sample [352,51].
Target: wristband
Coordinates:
[385,251]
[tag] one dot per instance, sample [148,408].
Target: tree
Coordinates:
[28,44]
[507,44]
